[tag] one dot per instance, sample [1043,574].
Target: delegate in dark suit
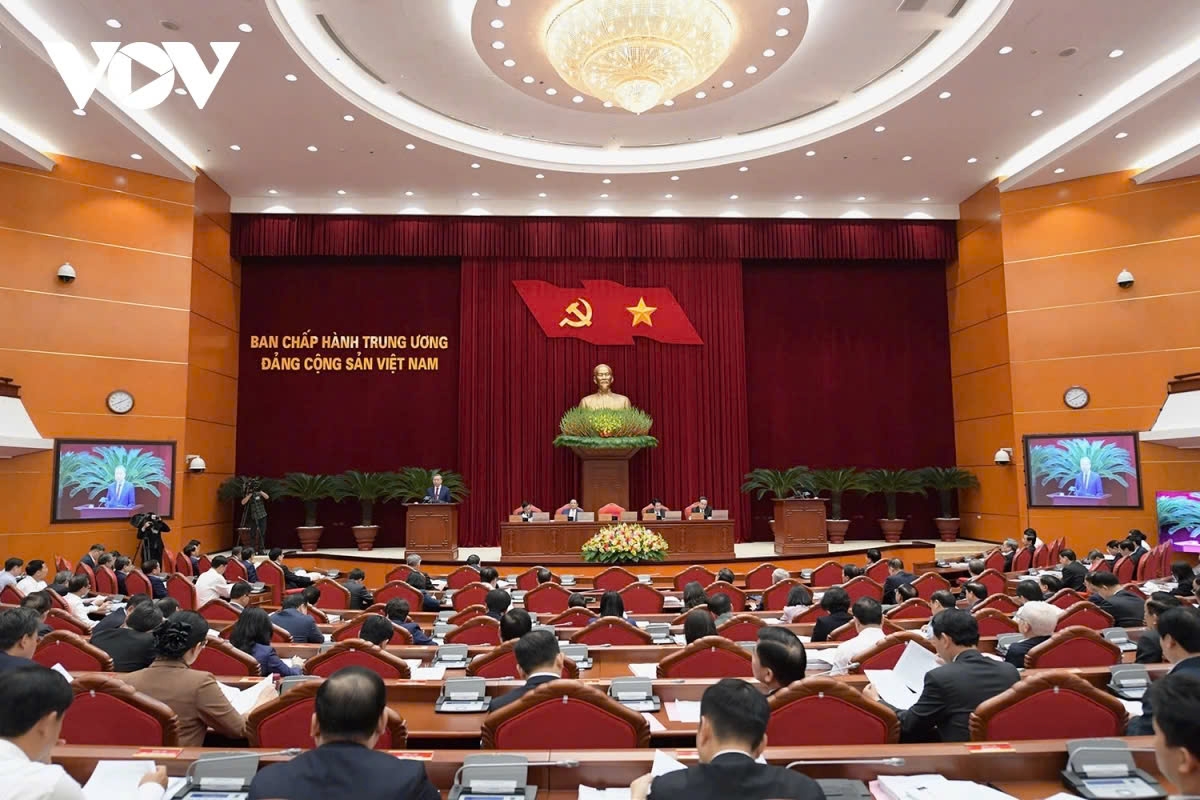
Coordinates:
[532,683]
[251,571]
[951,693]
[158,587]
[360,595]
[1144,725]
[293,581]
[1017,651]
[8,662]
[737,775]
[344,769]
[828,624]
[437,494]
[1126,608]
[1073,575]
[301,626]
[130,650]
[894,582]
[1149,648]
[418,635]
[269,662]
[111,621]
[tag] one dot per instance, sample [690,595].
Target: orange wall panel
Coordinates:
[987,393]
[211,248]
[213,347]
[979,347]
[979,209]
[126,181]
[979,251]
[1117,380]
[977,440]
[212,397]
[977,300]
[215,298]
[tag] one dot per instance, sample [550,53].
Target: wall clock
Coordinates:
[120,402]
[1076,397]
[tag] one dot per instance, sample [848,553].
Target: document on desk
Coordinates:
[245,700]
[934,787]
[683,710]
[652,721]
[116,780]
[1134,707]
[645,670]
[901,686]
[588,793]
[429,673]
[664,763]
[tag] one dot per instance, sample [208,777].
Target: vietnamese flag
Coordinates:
[604,312]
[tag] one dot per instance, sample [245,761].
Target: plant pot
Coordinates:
[892,528]
[836,529]
[364,536]
[947,528]
[309,537]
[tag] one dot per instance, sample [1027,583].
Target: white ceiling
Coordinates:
[438,55]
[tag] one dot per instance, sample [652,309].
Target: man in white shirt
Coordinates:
[212,584]
[868,621]
[77,588]
[12,571]
[35,577]
[34,700]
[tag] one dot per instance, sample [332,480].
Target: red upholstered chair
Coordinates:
[707,657]
[614,579]
[1065,598]
[234,571]
[357,653]
[608,511]
[886,653]
[106,581]
[528,580]
[73,652]
[916,608]
[994,560]
[334,596]
[480,630]
[470,612]
[397,573]
[351,629]
[1023,560]
[741,628]
[682,618]
[183,565]
[1001,602]
[179,587]
[548,598]
[61,564]
[993,580]
[219,609]
[993,622]
[701,575]
[1041,557]
[862,586]
[775,598]
[403,591]
[1133,588]
[221,658]
[57,601]
[844,633]
[283,722]
[500,662]
[828,574]
[737,598]
[470,595]
[1049,705]
[1086,614]
[64,621]
[641,598]
[928,583]
[319,616]
[809,615]
[819,711]
[204,564]
[107,711]
[760,577]
[463,576]
[10,595]
[272,575]
[574,618]
[168,560]
[611,630]
[537,720]
[1076,646]
[1123,569]
[878,571]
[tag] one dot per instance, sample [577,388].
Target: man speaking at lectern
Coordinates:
[437,493]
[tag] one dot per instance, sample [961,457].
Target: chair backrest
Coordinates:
[167,563]
[915,608]
[760,577]
[61,620]
[886,653]
[775,597]
[1000,602]
[528,580]
[397,573]
[828,574]
[613,579]
[878,571]
[83,569]
[737,598]
[333,594]
[993,580]
[72,651]
[472,594]
[319,616]
[218,609]
[179,587]
[607,511]
[702,575]
[862,586]
[1142,571]
[741,628]
[574,618]
[357,653]
[1065,598]
[1048,705]
[820,711]
[500,662]
[1076,646]
[106,580]
[137,583]
[108,711]
[400,589]
[537,720]
[351,629]
[183,565]
[283,722]
[928,583]
[461,577]
[993,623]
[278,635]
[204,564]
[11,595]
[234,571]
[611,630]
[1041,556]
[707,657]
[1023,560]
[470,612]
[61,564]
[548,598]
[810,615]
[271,574]
[641,598]
[1084,613]
[843,633]
[1123,569]
[480,630]
[994,560]
[221,658]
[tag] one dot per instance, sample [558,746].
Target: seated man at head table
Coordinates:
[515,624]
[700,509]
[779,659]
[731,735]
[349,717]
[34,700]
[294,619]
[539,661]
[526,511]
[571,510]
[955,689]
[1177,731]
[1036,621]
[656,508]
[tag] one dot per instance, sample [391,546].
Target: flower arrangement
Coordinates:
[625,542]
[605,428]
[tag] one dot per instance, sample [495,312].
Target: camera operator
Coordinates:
[254,515]
[150,528]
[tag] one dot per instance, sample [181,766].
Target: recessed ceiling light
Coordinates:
[668,103]
[503,3]
[79,112]
[972,160]
[527,79]
[541,194]
[668,196]
[608,103]
[497,45]
[880,128]
[552,91]
[408,194]
[180,91]
[1059,171]
[1121,135]
[783,12]
[743,169]
[272,191]
[577,98]
[341,191]
[312,148]
[136,156]
[798,197]
[348,117]
[508,62]
[474,194]
[768,53]
[235,147]
[811,153]
[539,176]
[924,199]
[497,24]
[606,181]
[474,165]
[113,23]
[290,78]
[727,84]
[604,196]
[1005,50]
[750,70]
[1037,112]
[906,158]
[860,198]
[246,27]
[1116,53]
[410,146]
[674,177]
[781,32]
[701,95]
[944,96]
[733,197]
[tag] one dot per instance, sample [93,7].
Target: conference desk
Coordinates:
[561,542]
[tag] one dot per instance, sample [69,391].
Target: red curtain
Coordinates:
[512,237]
[515,383]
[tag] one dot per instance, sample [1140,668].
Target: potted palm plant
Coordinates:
[309,490]
[233,489]
[946,481]
[837,482]
[412,482]
[781,484]
[890,483]
[368,488]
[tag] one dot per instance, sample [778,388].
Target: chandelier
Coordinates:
[638,53]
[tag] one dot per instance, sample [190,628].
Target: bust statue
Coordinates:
[604,397]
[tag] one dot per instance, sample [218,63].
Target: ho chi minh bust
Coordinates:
[604,397]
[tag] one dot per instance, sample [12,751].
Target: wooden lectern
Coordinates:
[605,477]
[432,530]
[799,527]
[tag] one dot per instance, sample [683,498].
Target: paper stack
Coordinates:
[116,780]
[932,787]
[900,687]
[245,700]
[645,670]
[683,710]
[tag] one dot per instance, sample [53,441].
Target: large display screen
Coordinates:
[112,479]
[1083,470]
[1178,516]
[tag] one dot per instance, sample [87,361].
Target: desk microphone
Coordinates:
[569,763]
[245,757]
[887,762]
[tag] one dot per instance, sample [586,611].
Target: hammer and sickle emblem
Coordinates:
[576,317]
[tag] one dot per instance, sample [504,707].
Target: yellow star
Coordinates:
[641,312]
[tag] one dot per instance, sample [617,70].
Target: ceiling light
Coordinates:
[497,45]
[474,194]
[503,3]
[1037,112]
[272,191]
[733,197]
[290,78]
[750,70]
[312,148]
[668,196]
[539,176]
[552,91]
[246,27]
[508,62]
[1005,50]
[783,12]
[604,196]
[924,199]
[972,160]
[880,128]
[860,198]
[136,156]
[348,117]
[541,194]
[743,169]
[577,98]
[235,147]
[1059,171]
[727,84]
[768,53]
[112,23]
[798,197]
[1121,135]
[497,24]
[811,153]
[608,104]
[906,158]
[679,44]
[944,96]
[527,79]
[408,194]
[79,112]
[475,165]
[1116,53]
[410,146]
[781,32]
[701,95]
[341,191]
[180,91]
[668,103]
[607,180]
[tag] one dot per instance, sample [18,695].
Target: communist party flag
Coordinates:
[604,312]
